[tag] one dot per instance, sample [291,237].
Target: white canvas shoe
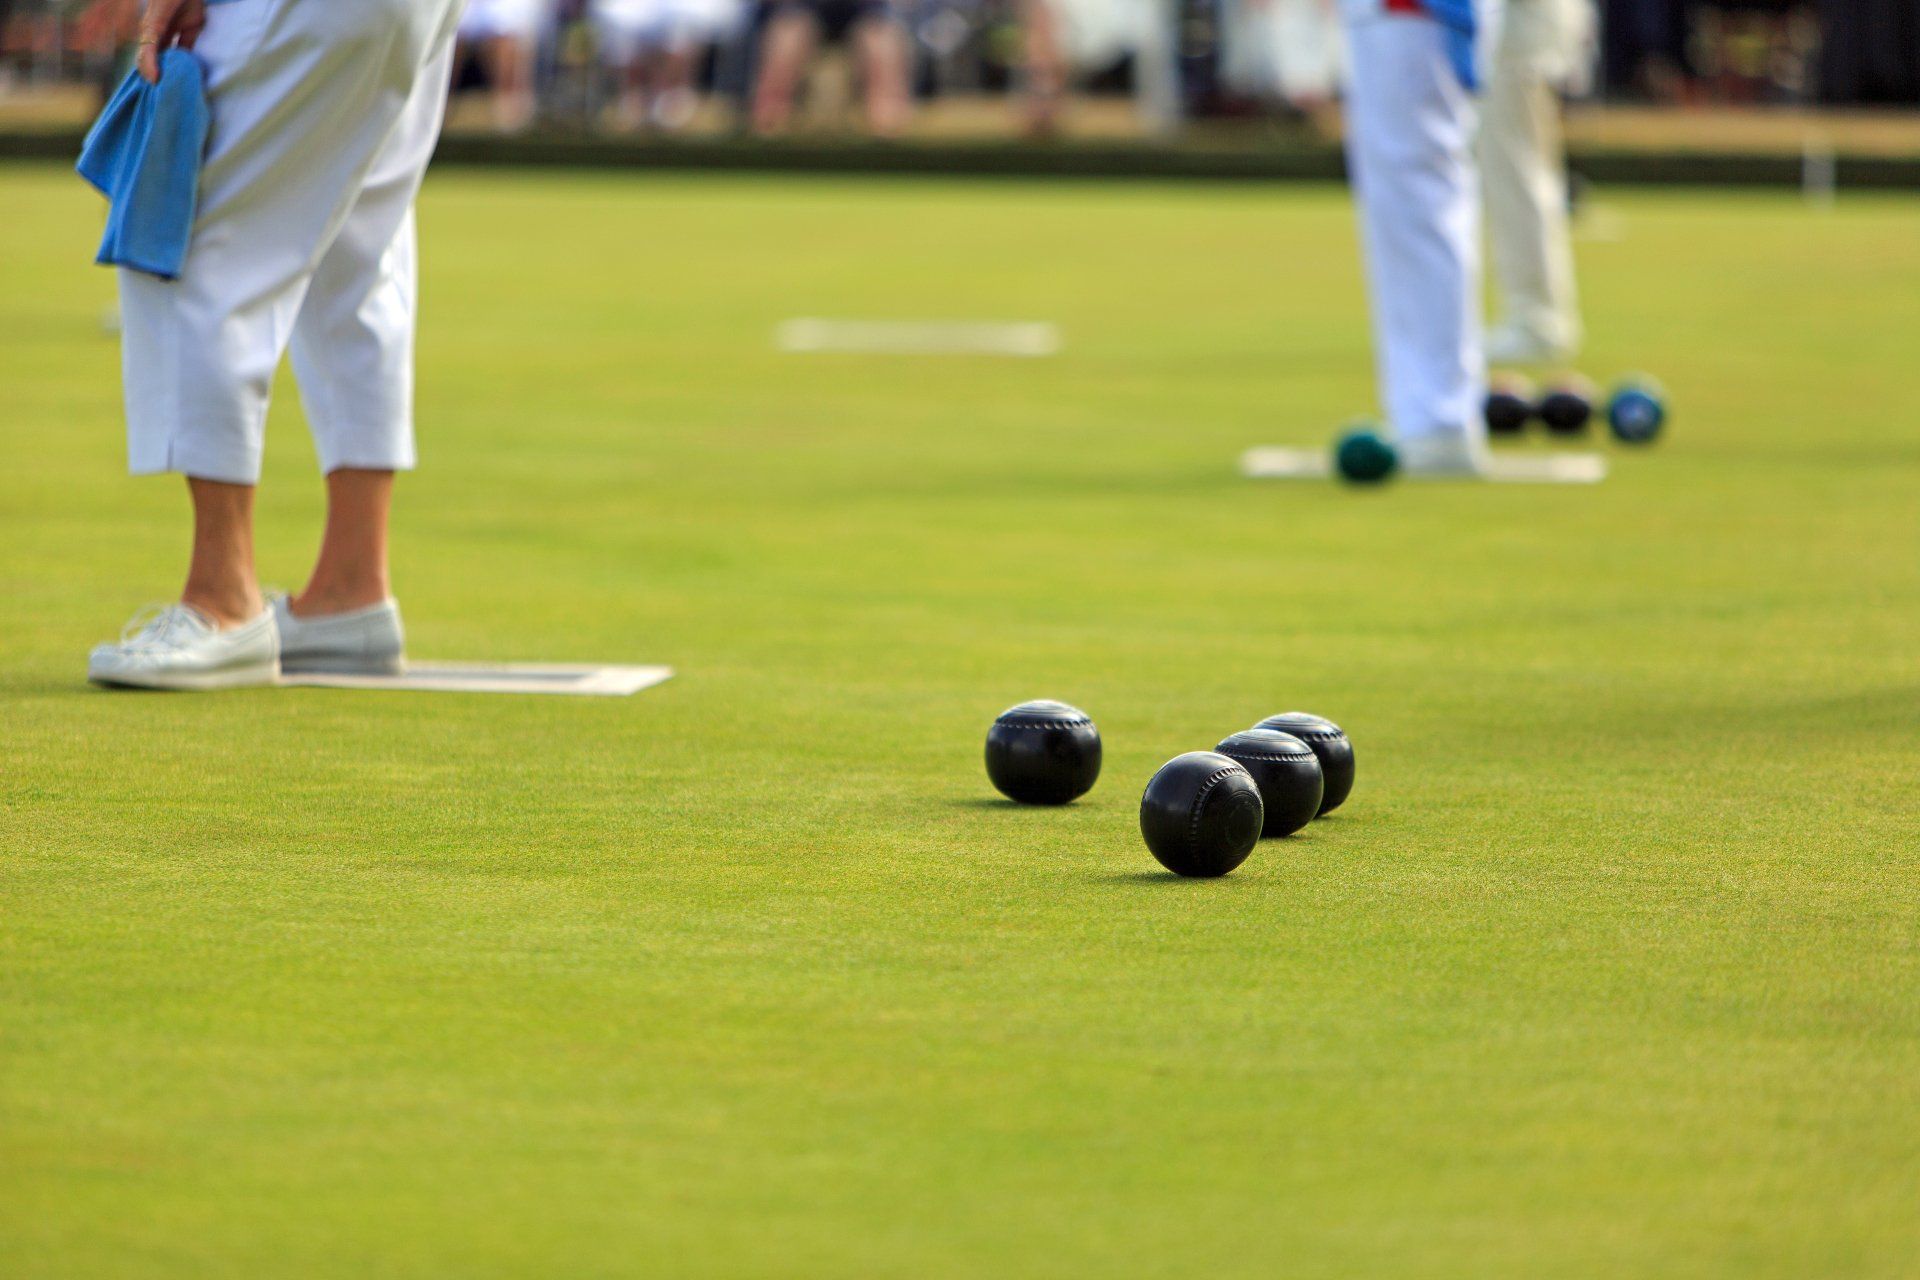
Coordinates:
[359,642]
[178,647]
[1443,455]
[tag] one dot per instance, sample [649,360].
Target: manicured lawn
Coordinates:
[1611,967]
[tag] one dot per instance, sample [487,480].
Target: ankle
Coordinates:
[319,600]
[228,607]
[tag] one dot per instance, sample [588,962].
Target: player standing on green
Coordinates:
[1523,162]
[323,114]
[1410,129]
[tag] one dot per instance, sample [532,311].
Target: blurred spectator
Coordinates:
[1644,43]
[1043,66]
[653,47]
[1871,52]
[796,28]
[1288,50]
[103,24]
[1096,36]
[1751,51]
[507,35]
[108,28]
[644,64]
[6,46]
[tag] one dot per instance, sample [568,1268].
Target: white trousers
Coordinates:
[1524,164]
[1410,126]
[324,115]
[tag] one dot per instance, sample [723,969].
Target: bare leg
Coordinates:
[884,59]
[784,51]
[511,63]
[220,579]
[673,98]
[630,112]
[1045,67]
[351,572]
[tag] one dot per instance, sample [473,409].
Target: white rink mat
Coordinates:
[1279,463]
[578,679]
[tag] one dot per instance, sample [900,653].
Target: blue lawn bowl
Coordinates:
[1637,412]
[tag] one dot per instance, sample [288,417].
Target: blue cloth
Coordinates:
[1463,28]
[143,154]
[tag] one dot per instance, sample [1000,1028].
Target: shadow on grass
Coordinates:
[1165,878]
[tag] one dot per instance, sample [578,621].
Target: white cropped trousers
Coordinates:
[324,114]
[1410,141]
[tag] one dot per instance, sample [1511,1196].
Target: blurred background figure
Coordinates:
[1289,50]
[653,48]
[871,29]
[1646,50]
[1043,67]
[1872,50]
[1094,39]
[6,45]
[1222,70]
[506,35]
[106,29]
[1543,46]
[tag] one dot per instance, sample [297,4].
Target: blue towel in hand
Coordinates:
[1462,26]
[143,153]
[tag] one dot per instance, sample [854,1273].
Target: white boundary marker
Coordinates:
[505,677]
[1279,463]
[1026,338]
[1819,170]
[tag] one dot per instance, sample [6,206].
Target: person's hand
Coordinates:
[165,24]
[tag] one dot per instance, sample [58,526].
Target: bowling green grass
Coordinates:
[1610,968]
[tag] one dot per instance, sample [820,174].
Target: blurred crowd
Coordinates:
[671,65]
[753,64]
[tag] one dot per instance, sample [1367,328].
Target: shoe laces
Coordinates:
[164,626]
